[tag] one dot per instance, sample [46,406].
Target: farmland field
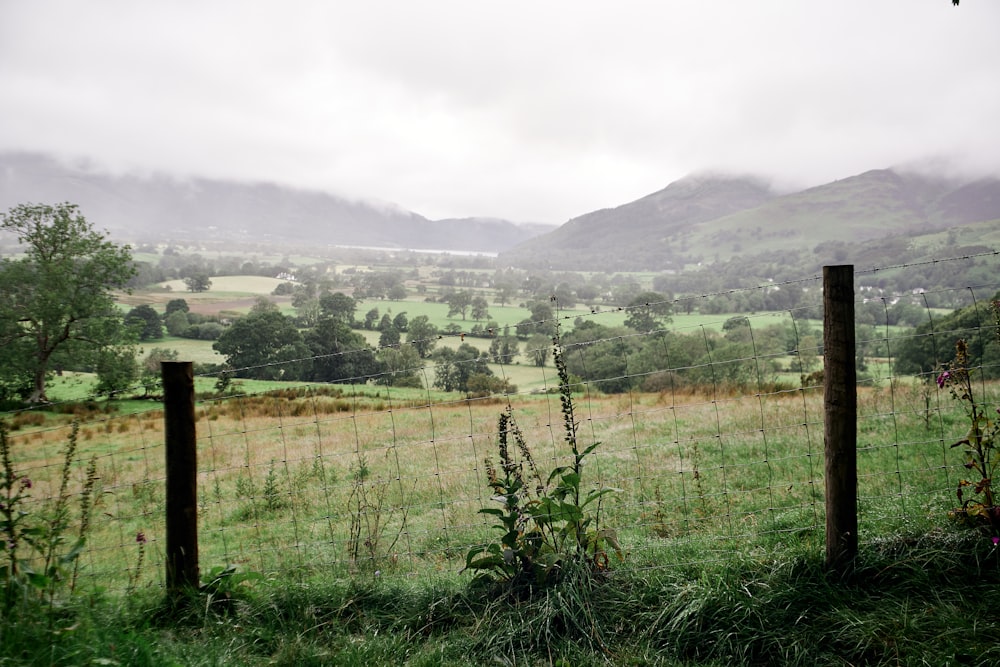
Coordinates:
[280,472]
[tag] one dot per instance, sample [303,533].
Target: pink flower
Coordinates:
[996,540]
[140,537]
[941,379]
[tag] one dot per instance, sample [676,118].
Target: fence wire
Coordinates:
[710,434]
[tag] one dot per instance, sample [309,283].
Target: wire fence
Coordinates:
[710,432]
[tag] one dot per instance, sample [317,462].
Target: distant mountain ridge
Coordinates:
[698,220]
[157,207]
[709,218]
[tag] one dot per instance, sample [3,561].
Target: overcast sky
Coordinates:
[526,110]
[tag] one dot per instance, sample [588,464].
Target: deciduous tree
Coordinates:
[264,345]
[146,321]
[58,296]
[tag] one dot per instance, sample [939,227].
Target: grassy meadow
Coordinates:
[369,498]
[352,508]
[355,479]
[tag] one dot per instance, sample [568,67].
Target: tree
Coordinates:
[339,306]
[458,302]
[401,367]
[422,335]
[177,323]
[146,322]
[339,354]
[117,370]
[541,321]
[370,318]
[264,345]
[58,296]
[175,305]
[480,308]
[198,282]
[505,293]
[151,375]
[538,348]
[503,349]
[389,337]
[456,366]
[648,311]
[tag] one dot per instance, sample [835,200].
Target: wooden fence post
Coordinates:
[182,476]
[840,403]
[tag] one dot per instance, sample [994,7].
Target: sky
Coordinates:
[530,111]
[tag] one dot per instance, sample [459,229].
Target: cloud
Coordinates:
[529,111]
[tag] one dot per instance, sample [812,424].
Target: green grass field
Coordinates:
[357,505]
[319,487]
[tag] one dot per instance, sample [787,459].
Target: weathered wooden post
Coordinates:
[182,476]
[840,402]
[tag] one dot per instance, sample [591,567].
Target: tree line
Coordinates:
[58,312]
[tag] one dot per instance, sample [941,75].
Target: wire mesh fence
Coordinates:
[710,433]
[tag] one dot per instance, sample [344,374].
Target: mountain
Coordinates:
[711,218]
[698,220]
[645,232]
[156,207]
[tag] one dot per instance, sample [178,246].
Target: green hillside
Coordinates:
[703,220]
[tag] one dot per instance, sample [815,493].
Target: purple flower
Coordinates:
[941,379]
[25,483]
[996,540]
[140,537]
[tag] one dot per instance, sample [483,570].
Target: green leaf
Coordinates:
[74,553]
[571,479]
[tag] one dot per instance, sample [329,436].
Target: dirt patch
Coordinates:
[214,307]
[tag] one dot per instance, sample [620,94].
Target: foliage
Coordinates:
[538,348]
[150,373]
[422,335]
[175,305]
[264,345]
[339,354]
[400,366]
[56,301]
[550,529]
[459,302]
[117,370]
[40,550]
[146,321]
[597,353]
[541,321]
[504,348]
[455,367]
[648,311]
[923,353]
[977,496]
[372,537]
[198,282]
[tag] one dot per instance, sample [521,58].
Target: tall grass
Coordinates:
[719,509]
[712,469]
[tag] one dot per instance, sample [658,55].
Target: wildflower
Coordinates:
[140,537]
[25,483]
[942,379]
[996,540]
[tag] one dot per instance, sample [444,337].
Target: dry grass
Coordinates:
[282,475]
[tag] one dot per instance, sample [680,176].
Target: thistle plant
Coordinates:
[977,497]
[549,527]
